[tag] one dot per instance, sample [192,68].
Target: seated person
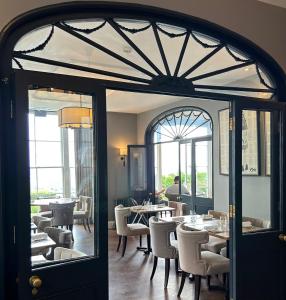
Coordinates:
[174,188]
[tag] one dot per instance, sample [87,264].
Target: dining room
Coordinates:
[189,185]
[174,173]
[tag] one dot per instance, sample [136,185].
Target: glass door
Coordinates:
[196,173]
[257,200]
[59,187]
[137,173]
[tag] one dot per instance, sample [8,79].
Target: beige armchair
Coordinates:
[217,214]
[64,253]
[83,211]
[197,262]
[41,223]
[162,246]
[124,230]
[257,222]
[180,208]
[173,197]
[62,238]
[215,244]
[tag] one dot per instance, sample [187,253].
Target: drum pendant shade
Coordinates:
[75,117]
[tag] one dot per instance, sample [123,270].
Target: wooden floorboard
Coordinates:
[129,276]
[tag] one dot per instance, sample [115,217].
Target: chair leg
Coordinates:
[183,278]
[83,223]
[87,223]
[148,243]
[119,243]
[209,282]
[226,284]
[197,287]
[167,271]
[154,267]
[175,235]
[70,227]
[124,245]
[177,265]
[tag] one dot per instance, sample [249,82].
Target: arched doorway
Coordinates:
[23,44]
[182,145]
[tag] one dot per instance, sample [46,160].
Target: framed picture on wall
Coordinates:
[224,141]
[250,152]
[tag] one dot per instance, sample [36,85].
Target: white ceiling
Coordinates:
[117,101]
[280,3]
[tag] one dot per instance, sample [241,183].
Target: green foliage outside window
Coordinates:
[42,194]
[202,181]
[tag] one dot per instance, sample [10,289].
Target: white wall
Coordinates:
[121,131]
[261,23]
[256,189]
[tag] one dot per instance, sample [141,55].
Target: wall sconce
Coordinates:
[123,155]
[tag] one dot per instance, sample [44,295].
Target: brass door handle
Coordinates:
[282,237]
[35,282]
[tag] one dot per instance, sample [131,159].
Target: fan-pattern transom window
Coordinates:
[144,52]
[182,124]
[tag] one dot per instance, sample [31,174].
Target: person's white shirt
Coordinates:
[174,189]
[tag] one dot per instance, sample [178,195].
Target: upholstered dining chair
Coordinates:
[196,262]
[62,238]
[41,222]
[180,208]
[215,244]
[162,246]
[173,197]
[257,222]
[217,214]
[124,229]
[83,212]
[62,214]
[65,253]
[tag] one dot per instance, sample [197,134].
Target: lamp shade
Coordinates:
[123,151]
[75,117]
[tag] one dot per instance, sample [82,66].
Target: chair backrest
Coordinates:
[64,253]
[160,238]
[85,204]
[60,236]
[173,197]
[41,222]
[257,222]
[182,209]
[189,246]
[62,213]
[217,214]
[121,214]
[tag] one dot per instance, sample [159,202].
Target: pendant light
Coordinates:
[75,117]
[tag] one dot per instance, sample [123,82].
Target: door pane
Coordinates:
[61,175]
[137,173]
[186,166]
[256,170]
[166,164]
[203,158]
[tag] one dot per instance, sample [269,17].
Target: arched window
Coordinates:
[182,146]
[144,52]
[181,124]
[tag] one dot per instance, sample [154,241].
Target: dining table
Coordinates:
[41,244]
[215,227]
[46,202]
[143,212]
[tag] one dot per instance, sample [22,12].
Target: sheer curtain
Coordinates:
[84,173]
